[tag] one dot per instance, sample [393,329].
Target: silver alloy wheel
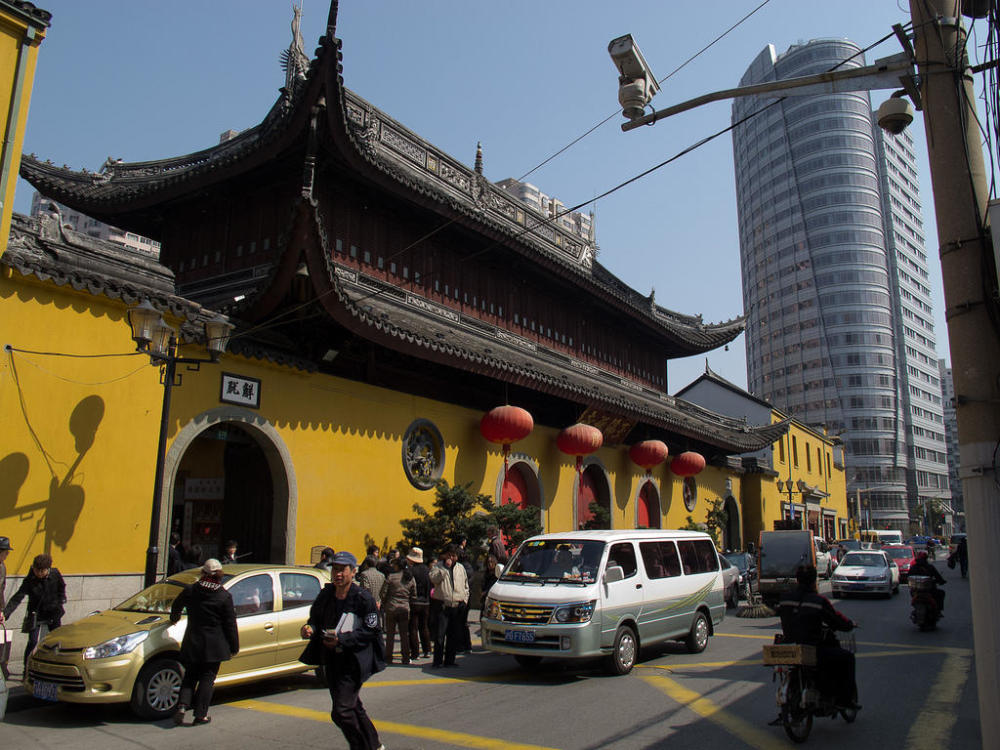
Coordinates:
[626,649]
[163,689]
[701,633]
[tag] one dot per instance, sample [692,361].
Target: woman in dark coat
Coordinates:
[46,592]
[211,638]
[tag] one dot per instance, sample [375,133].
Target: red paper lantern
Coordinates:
[506,425]
[687,464]
[648,453]
[579,440]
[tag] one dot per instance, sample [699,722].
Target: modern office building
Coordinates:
[839,325]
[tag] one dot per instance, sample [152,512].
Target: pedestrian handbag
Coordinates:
[951,562]
[6,640]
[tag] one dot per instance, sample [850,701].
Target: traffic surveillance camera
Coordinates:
[895,115]
[636,82]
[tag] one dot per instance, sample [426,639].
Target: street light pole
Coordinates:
[153,550]
[155,338]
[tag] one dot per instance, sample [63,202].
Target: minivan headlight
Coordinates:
[492,610]
[123,644]
[579,612]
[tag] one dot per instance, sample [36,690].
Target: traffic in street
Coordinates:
[917,689]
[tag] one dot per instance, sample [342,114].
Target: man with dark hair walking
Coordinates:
[211,638]
[345,638]
[46,592]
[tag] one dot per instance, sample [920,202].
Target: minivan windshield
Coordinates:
[556,561]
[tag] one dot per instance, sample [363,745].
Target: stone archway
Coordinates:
[257,441]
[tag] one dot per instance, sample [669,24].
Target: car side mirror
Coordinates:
[498,570]
[613,574]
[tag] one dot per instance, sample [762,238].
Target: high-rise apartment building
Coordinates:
[835,282]
[579,223]
[84,224]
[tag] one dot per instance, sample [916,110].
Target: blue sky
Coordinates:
[140,80]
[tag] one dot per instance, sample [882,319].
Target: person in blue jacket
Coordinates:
[346,640]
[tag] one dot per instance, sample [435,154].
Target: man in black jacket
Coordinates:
[809,618]
[210,638]
[46,592]
[923,567]
[345,638]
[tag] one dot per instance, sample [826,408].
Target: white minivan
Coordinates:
[582,594]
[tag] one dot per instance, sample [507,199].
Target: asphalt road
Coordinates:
[917,689]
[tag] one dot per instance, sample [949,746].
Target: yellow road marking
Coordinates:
[934,722]
[410,730]
[705,708]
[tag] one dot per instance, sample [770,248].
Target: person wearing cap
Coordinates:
[211,638]
[420,632]
[46,591]
[346,640]
[5,549]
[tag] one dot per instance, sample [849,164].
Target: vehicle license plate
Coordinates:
[519,636]
[857,586]
[44,690]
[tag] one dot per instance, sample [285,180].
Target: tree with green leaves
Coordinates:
[458,513]
[600,517]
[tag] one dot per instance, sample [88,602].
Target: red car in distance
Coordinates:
[904,556]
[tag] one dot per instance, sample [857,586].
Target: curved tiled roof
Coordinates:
[53,252]
[407,322]
[374,143]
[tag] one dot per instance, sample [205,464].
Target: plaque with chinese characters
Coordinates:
[240,390]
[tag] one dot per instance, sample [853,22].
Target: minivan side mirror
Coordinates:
[614,573]
[498,570]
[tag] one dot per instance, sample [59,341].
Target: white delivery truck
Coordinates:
[583,594]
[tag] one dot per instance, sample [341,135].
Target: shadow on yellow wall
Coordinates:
[58,513]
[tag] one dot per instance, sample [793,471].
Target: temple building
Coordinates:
[385,296]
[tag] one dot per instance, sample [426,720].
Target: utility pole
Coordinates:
[960,197]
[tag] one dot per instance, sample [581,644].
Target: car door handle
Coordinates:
[638,585]
[268,627]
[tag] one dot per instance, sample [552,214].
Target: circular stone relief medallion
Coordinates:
[423,454]
[690,493]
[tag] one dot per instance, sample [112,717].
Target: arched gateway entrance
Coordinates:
[229,476]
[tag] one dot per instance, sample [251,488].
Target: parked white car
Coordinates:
[866,572]
[824,559]
[730,582]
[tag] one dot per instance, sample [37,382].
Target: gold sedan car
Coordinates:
[130,653]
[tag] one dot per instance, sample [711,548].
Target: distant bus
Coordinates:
[882,536]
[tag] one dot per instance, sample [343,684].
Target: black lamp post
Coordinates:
[154,337]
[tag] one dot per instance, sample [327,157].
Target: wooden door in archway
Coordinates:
[648,507]
[515,488]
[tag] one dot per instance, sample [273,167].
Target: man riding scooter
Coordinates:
[923,567]
[804,613]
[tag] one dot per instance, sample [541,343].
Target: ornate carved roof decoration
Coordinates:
[294,60]
[393,156]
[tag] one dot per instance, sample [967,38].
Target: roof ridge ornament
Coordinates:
[294,60]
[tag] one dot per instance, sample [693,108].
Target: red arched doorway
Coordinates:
[647,509]
[515,488]
[593,488]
